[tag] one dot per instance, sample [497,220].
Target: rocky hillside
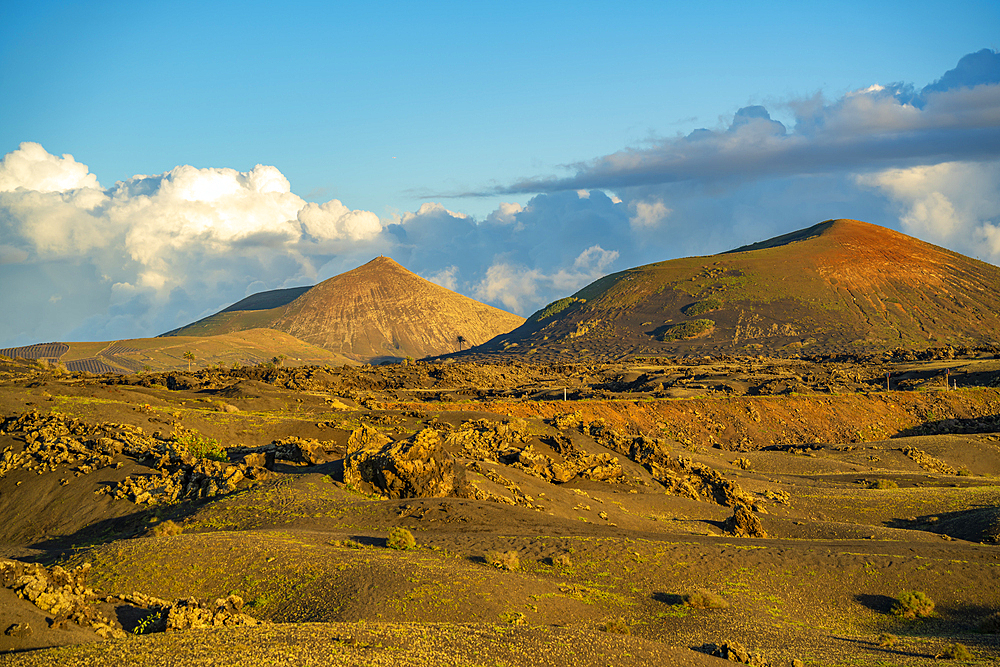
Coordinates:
[839,286]
[374,312]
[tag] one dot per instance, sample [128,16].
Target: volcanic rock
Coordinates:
[418,467]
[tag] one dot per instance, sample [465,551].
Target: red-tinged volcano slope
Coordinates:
[376,311]
[839,286]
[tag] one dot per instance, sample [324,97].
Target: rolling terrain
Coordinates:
[376,312]
[661,513]
[140,355]
[841,286]
[797,464]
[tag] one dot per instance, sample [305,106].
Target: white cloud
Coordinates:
[505,214]
[521,289]
[447,278]
[333,220]
[32,168]
[516,287]
[648,215]
[954,204]
[210,231]
[431,208]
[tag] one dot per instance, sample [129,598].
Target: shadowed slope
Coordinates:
[839,286]
[378,310]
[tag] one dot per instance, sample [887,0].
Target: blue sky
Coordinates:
[455,136]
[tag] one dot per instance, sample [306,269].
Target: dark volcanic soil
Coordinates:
[548,531]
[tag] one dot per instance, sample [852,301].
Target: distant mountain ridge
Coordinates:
[377,311]
[838,286]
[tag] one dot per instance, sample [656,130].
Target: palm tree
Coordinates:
[189,355]
[461,342]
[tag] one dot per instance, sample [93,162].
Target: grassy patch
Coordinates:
[688,330]
[701,307]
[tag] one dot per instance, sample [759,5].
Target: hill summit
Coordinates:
[377,311]
[837,287]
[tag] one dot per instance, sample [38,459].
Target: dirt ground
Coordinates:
[561,514]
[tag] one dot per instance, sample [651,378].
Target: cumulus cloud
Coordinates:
[522,289]
[955,118]
[446,278]
[154,252]
[32,168]
[648,214]
[505,214]
[151,238]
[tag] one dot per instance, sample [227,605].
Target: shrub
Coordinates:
[701,307]
[913,604]
[702,599]
[504,560]
[686,330]
[149,623]
[202,448]
[957,652]
[562,560]
[883,484]
[401,538]
[555,308]
[165,529]
[618,626]
[347,544]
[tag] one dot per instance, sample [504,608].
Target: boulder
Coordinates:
[744,523]
[418,467]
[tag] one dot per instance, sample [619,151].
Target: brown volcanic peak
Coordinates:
[839,286]
[378,310]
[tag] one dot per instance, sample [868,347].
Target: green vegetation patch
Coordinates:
[701,307]
[202,448]
[555,308]
[688,330]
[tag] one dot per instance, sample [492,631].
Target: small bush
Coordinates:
[149,623]
[165,529]
[883,484]
[513,618]
[618,626]
[202,448]
[702,599]
[990,625]
[562,560]
[701,307]
[504,560]
[401,538]
[913,604]
[886,640]
[957,652]
[347,544]
[687,330]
